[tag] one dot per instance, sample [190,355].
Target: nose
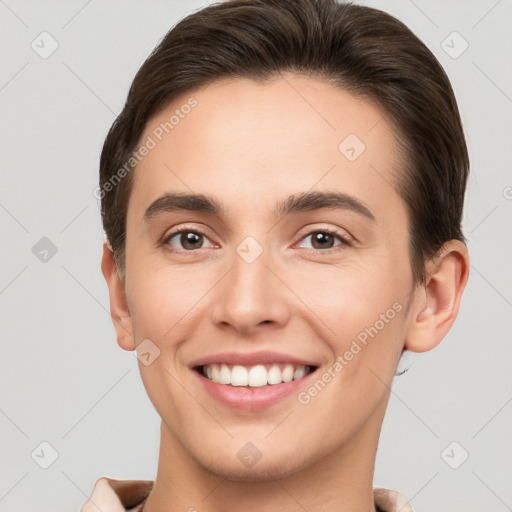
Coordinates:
[252,297]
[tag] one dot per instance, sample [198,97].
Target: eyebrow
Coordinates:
[306,201]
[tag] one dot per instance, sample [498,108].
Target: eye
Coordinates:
[324,239]
[188,239]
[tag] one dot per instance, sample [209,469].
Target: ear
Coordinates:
[119,310]
[436,302]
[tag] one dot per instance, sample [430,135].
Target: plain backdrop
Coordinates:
[73,401]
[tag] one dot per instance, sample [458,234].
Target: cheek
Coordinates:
[364,328]
[347,300]
[164,299]
[361,317]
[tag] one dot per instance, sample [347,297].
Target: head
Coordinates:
[241,106]
[359,49]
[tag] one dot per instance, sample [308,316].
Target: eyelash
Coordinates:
[344,241]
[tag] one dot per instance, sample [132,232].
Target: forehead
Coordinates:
[248,141]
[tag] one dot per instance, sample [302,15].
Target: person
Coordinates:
[282,198]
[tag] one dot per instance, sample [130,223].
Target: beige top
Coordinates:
[111,495]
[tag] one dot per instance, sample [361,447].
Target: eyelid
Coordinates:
[192,229]
[345,238]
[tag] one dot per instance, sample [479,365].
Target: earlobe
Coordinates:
[119,310]
[437,301]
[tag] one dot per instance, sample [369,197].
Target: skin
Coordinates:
[250,145]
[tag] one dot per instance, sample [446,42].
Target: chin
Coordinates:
[264,470]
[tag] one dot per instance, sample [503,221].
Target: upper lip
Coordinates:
[251,359]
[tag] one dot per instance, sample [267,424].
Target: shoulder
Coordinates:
[390,500]
[110,495]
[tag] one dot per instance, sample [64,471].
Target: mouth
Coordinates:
[254,376]
[252,382]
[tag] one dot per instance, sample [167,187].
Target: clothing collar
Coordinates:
[110,495]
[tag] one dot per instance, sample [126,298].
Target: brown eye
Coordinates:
[322,240]
[188,239]
[325,239]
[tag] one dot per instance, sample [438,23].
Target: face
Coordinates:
[293,264]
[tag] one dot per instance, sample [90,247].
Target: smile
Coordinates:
[254,376]
[252,382]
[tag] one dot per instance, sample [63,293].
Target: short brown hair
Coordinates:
[362,50]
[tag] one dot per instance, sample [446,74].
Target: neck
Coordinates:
[340,481]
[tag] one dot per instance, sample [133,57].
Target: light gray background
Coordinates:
[64,379]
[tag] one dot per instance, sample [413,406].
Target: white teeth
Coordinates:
[239,376]
[299,372]
[274,375]
[257,376]
[224,375]
[288,373]
[254,376]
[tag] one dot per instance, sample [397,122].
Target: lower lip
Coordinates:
[251,399]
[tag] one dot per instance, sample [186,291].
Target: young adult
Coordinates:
[282,196]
